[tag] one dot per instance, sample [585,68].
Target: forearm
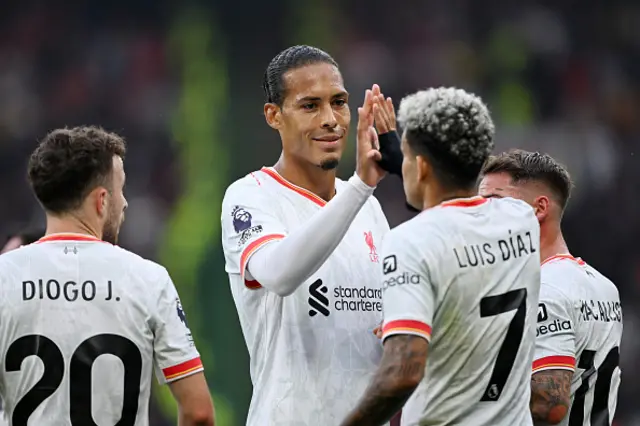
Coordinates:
[380,404]
[309,246]
[397,377]
[550,396]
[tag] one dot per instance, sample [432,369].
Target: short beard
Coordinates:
[110,231]
[330,164]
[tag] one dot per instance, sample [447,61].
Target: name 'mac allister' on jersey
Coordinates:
[313,352]
[580,318]
[465,275]
[82,325]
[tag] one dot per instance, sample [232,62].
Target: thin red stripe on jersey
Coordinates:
[69,237]
[555,361]
[305,193]
[249,250]
[565,256]
[407,325]
[182,369]
[464,202]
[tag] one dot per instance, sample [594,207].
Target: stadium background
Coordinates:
[182,82]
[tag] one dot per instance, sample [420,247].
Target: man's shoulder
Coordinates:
[256,181]
[140,265]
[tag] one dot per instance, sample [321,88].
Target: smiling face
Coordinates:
[314,118]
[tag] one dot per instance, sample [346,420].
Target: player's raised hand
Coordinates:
[367,155]
[384,114]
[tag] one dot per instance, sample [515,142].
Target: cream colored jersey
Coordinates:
[83,324]
[313,352]
[466,276]
[580,318]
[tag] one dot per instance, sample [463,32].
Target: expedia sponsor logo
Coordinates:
[542,312]
[399,280]
[555,327]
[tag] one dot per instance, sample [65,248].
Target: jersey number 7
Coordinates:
[496,305]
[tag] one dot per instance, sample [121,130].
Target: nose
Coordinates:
[328,118]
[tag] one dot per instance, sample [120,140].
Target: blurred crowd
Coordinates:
[556,80]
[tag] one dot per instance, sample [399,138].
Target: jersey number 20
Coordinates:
[79,375]
[496,305]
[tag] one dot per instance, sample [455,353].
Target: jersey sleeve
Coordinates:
[555,331]
[175,354]
[408,295]
[249,221]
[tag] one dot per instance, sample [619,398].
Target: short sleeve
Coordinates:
[249,221]
[408,297]
[555,331]
[175,354]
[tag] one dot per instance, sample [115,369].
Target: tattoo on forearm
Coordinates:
[400,371]
[550,395]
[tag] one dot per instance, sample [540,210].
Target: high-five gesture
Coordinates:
[383,112]
[368,154]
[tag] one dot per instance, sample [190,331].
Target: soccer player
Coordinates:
[23,238]
[83,322]
[13,242]
[301,249]
[579,315]
[460,280]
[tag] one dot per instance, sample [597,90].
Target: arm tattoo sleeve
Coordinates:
[399,373]
[550,396]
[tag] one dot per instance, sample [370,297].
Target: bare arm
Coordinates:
[550,396]
[399,373]
[194,402]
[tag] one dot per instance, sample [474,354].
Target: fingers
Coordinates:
[375,90]
[390,109]
[367,105]
[375,143]
[374,155]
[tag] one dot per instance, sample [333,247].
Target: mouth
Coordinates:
[329,140]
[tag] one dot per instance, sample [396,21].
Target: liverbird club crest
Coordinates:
[368,238]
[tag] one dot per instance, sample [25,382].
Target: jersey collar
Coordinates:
[69,237]
[295,188]
[566,256]
[464,202]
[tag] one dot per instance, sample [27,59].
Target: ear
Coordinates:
[273,115]
[101,200]
[541,206]
[423,169]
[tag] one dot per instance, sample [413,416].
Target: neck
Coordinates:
[433,198]
[310,177]
[551,241]
[70,223]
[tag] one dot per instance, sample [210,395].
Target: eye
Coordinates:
[340,102]
[309,106]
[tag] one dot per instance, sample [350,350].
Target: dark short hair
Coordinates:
[70,163]
[287,60]
[524,166]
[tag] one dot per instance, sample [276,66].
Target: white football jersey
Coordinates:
[580,318]
[312,353]
[465,275]
[82,325]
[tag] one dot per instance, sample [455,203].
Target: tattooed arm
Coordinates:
[399,373]
[550,396]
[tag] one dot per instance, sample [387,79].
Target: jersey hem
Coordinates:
[249,250]
[412,327]
[555,362]
[182,370]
